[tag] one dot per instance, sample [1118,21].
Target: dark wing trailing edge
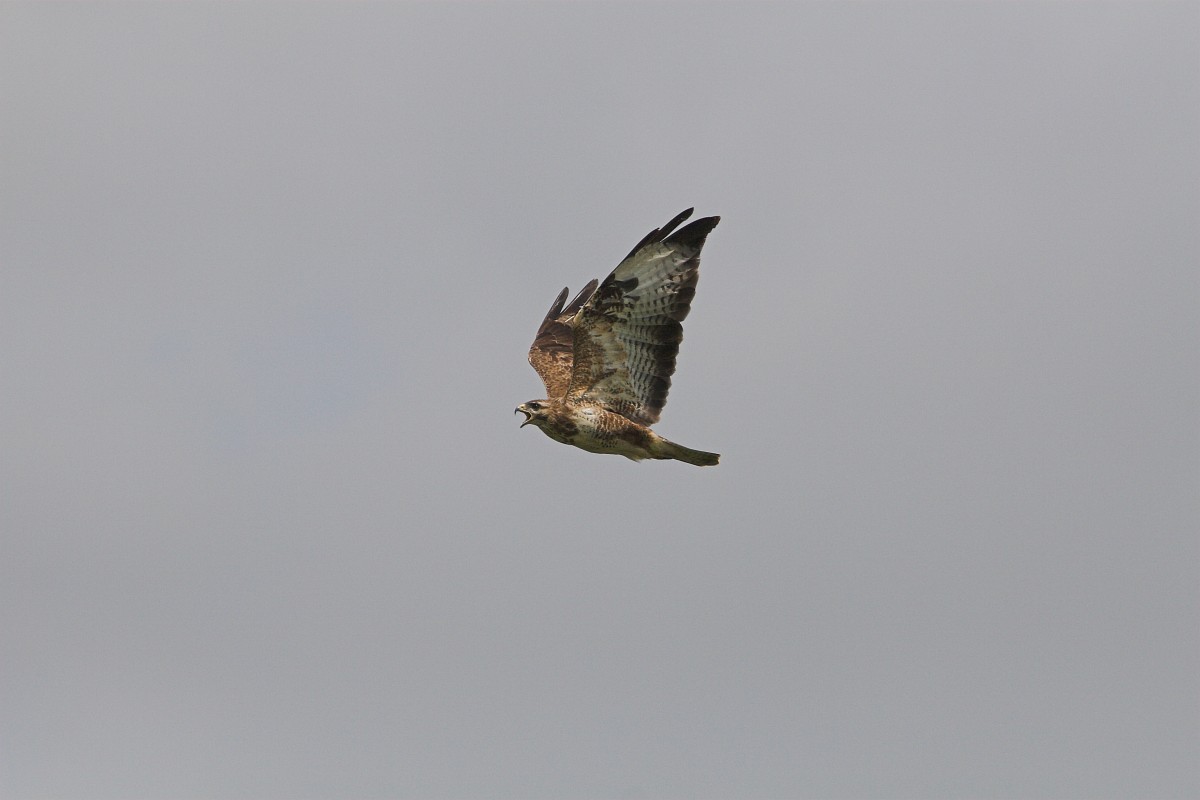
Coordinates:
[628,332]
[551,352]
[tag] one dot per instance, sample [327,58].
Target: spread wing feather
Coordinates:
[550,354]
[627,334]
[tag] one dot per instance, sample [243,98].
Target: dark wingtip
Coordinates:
[584,295]
[695,232]
[556,307]
[665,230]
[661,234]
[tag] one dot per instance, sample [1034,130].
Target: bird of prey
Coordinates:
[607,358]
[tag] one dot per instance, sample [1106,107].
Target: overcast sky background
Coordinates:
[269,526]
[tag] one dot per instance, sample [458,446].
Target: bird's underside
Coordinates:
[608,357]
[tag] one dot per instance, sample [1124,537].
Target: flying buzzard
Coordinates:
[607,358]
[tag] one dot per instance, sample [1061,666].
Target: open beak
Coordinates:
[528,416]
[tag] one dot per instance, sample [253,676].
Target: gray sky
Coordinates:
[269,526]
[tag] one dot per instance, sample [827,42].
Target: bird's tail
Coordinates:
[687,454]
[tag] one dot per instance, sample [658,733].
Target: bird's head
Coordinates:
[535,411]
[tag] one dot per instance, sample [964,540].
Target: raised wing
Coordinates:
[550,354]
[627,334]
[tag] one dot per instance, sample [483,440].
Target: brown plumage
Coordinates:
[608,357]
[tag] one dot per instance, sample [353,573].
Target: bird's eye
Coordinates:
[535,406]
